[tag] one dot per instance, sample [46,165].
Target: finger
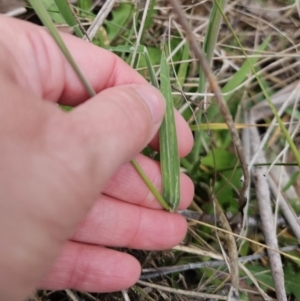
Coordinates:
[185,138]
[91,268]
[127,185]
[45,71]
[116,124]
[118,224]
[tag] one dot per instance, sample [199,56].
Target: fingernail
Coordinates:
[154,100]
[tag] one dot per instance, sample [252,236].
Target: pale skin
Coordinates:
[67,189]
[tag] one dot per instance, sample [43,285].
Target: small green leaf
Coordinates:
[183,67]
[219,159]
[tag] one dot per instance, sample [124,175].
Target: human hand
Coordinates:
[67,190]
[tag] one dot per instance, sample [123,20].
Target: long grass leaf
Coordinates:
[45,18]
[183,67]
[211,37]
[140,50]
[53,11]
[149,184]
[169,156]
[182,72]
[209,44]
[151,71]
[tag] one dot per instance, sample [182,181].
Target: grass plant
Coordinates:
[252,52]
[45,18]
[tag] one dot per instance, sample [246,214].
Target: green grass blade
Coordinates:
[53,11]
[182,72]
[140,50]
[120,17]
[151,71]
[211,37]
[209,44]
[68,14]
[238,78]
[150,185]
[169,156]
[84,4]
[213,29]
[183,67]
[45,18]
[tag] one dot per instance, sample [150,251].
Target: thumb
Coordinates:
[115,125]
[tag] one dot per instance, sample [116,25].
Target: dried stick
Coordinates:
[247,152]
[71,295]
[16,12]
[125,295]
[100,18]
[161,271]
[183,292]
[265,209]
[197,251]
[236,220]
[253,279]
[140,33]
[200,56]
[231,249]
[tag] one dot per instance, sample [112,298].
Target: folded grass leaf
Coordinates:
[169,156]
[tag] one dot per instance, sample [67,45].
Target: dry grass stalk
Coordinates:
[266,214]
[183,292]
[100,18]
[165,270]
[231,250]
[198,251]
